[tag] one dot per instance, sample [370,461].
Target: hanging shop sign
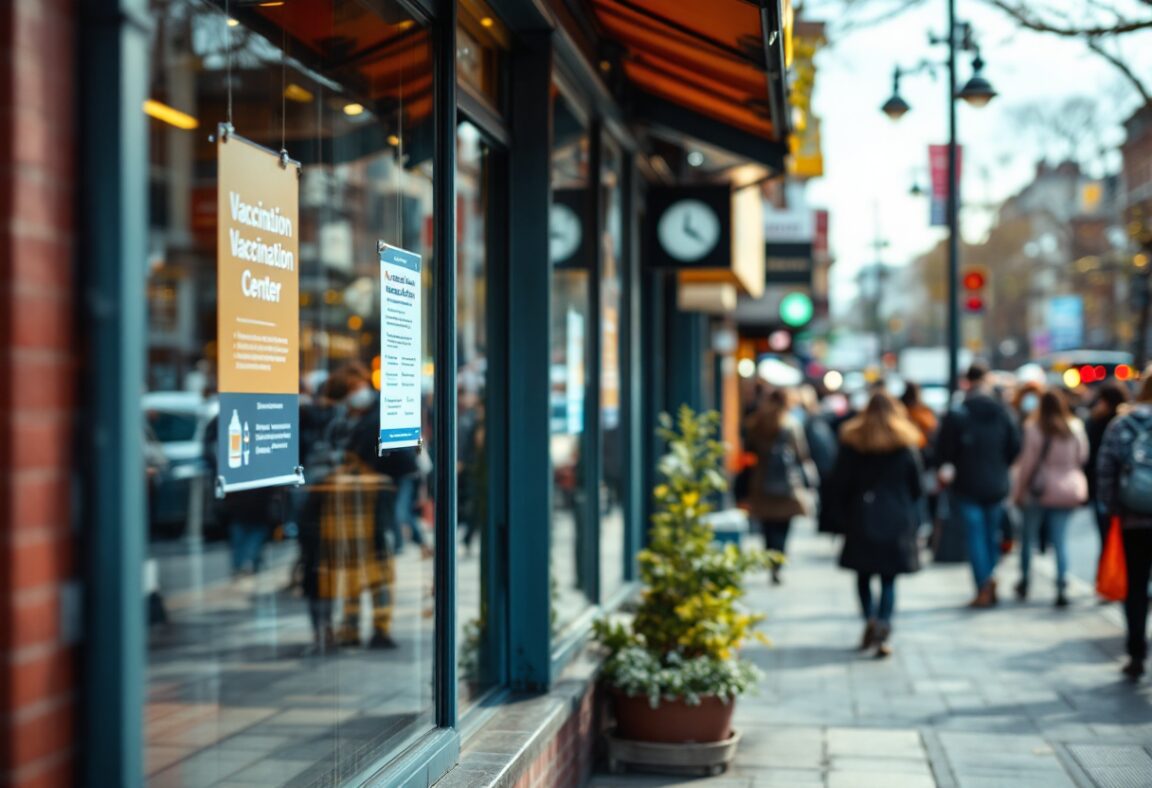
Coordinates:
[401,327]
[258,316]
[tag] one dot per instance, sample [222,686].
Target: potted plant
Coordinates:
[674,669]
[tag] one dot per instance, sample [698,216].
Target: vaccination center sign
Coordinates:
[258,280]
[400,342]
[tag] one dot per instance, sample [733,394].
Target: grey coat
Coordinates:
[1114,452]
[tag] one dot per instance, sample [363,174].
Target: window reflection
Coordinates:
[290,629]
[611,487]
[474,559]
[572,258]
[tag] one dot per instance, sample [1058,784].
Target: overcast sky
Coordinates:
[871,162]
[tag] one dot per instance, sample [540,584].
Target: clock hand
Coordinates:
[689,230]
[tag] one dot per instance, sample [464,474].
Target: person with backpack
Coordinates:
[1050,484]
[976,447]
[1124,490]
[874,495]
[784,471]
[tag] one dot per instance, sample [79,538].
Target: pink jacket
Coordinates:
[1062,473]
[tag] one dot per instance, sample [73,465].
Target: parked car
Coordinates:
[175,423]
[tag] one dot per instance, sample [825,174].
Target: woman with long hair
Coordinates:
[1050,483]
[784,470]
[874,494]
[1118,459]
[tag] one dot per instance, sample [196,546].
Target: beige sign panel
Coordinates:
[258,278]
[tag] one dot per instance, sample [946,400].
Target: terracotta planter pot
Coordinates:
[673,722]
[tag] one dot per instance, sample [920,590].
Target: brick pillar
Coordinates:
[38,689]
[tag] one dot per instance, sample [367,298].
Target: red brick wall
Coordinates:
[37,360]
[567,760]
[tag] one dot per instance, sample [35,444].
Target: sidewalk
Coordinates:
[1021,695]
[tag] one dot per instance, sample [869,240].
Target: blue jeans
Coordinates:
[882,614]
[247,545]
[982,526]
[405,499]
[1057,522]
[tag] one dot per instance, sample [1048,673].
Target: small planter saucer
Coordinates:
[710,758]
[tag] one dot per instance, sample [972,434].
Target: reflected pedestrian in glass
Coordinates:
[1050,484]
[875,494]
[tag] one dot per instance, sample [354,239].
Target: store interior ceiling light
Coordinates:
[295,92]
[233,22]
[352,110]
[170,115]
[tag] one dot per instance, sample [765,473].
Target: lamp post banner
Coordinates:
[258,316]
[401,333]
[938,167]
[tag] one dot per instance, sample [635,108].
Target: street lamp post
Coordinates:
[977,92]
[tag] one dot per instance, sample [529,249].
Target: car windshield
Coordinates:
[171,427]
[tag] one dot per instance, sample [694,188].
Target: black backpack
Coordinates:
[1136,473]
[781,474]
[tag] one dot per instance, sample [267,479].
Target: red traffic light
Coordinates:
[974,304]
[974,280]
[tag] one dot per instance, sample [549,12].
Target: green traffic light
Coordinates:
[796,309]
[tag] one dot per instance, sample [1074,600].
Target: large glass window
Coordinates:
[477,668]
[573,256]
[612,488]
[290,636]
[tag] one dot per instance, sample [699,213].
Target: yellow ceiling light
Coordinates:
[169,115]
[233,22]
[393,140]
[272,3]
[487,21]
[352,110]
[296,93]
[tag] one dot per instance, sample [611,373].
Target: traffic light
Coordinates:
[974,280]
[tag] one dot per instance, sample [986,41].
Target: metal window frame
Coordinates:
[113,213]
[113,59]
[497,137]
[528,349]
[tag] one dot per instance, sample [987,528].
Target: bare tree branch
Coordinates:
[1096,46]
[1031,21]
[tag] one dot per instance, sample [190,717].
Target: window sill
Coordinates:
[520,729]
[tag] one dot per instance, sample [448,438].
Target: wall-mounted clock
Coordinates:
[688,230]
[565,232]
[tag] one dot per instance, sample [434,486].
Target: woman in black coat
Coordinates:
[874,497]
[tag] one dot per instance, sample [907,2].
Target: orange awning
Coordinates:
[710,60]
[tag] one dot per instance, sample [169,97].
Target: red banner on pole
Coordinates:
[938,167]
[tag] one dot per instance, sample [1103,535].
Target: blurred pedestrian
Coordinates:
[1124,489]
[875,493]
[784,471]
[977,444]
[919,414]
[817,430]
[1050,484]
[1110,398]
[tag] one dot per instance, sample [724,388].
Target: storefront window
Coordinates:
[474,558]
[612,487]
[572,259]
[290,629]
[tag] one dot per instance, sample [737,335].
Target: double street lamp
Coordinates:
[977,92]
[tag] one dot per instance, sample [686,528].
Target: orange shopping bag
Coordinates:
[1112,574]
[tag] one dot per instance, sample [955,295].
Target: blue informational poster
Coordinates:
[401,334]
[1066,322]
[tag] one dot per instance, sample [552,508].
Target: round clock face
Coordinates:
[564,232]
[689,230]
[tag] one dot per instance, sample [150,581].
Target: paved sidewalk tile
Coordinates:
[1002,697]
